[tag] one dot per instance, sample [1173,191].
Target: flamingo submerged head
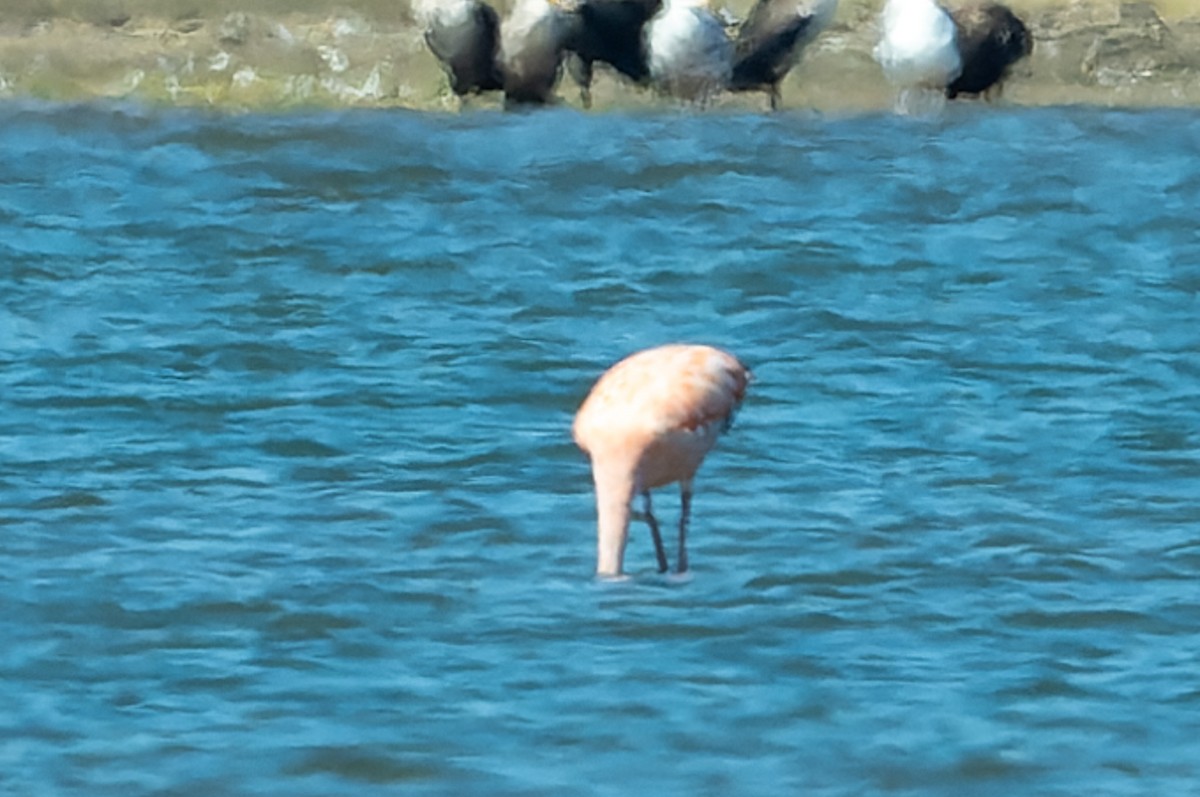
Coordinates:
[649,421]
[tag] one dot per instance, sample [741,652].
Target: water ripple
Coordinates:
[285,462]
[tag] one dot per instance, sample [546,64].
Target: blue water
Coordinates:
[289,504]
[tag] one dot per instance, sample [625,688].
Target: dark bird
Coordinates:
[610,32]
[533,41]
[991,38]
[464,35]
[772,39]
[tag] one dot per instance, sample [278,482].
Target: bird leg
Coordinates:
[581,70]
[659,551]
[685,510]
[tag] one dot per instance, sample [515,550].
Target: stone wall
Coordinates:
[255,54]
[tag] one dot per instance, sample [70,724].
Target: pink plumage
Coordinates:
[648,422]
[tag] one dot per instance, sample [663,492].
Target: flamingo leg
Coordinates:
[659,551]
[685,511]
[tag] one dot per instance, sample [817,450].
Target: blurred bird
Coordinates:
[464,35]
[611,32]
[918,50]
[690,54]
[648,422]
[772,39]
[991,38]
[533,43]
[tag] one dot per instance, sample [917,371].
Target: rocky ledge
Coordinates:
[1103,52]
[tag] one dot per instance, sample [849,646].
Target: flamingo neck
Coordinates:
[614,493]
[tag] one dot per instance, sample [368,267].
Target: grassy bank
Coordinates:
[298,53]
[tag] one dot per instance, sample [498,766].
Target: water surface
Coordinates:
[289,503]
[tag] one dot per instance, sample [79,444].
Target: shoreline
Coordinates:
[1104,52]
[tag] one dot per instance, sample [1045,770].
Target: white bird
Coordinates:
[533,42]
[689,52]
[918,50]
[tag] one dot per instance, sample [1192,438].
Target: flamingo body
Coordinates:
[648,422]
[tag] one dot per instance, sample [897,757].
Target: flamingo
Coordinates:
[648,422]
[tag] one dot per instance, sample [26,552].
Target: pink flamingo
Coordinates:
[649,421]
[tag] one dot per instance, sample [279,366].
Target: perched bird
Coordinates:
[610,31]
[690,54]
[772,39]
[991,38]
[918,50]
[464,35]
[648,422]
[532,45]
